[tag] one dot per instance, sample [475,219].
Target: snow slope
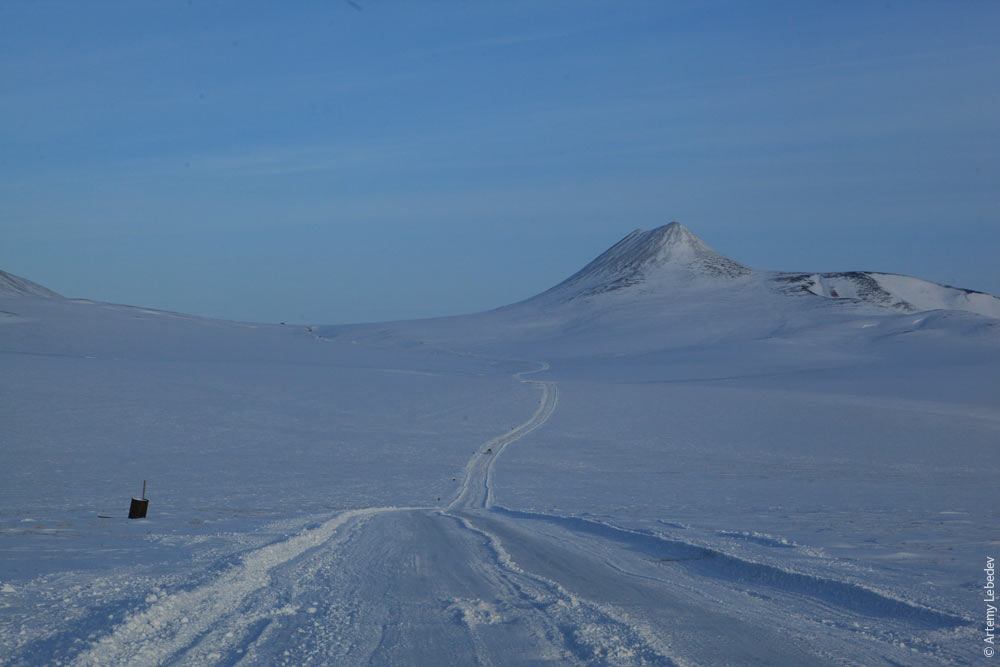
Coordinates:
[903,293]
[667,459]
[11,285]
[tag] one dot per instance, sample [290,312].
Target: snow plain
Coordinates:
[650,464]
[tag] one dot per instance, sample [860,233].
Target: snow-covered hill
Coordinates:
[669,458]
[11,285]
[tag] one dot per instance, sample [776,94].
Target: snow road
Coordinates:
[477,484]
[475,583]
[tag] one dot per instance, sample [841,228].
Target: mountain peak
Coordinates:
[675,233]
[669,251]
[668,242]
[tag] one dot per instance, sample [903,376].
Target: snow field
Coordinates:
[712,465]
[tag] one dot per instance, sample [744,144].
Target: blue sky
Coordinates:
[342,162]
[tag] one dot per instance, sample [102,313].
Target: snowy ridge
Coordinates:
[11,285]
[902,293]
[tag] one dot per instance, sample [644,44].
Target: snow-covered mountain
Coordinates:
[672,258]
[667,289]
[11,285]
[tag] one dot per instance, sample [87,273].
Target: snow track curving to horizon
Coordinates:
[477,483]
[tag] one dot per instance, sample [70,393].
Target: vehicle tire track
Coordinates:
[179,623]
[587,632]
[477,485]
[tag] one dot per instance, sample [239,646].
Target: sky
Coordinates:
[352,161]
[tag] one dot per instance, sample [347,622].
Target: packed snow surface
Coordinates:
[669,458]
